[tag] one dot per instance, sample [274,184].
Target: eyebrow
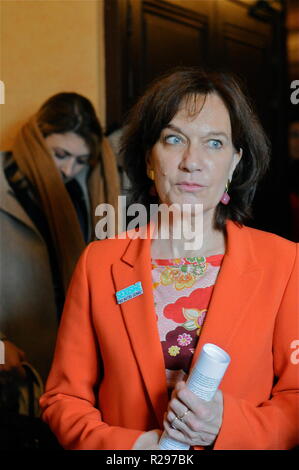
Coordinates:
[68,154]
[214,132]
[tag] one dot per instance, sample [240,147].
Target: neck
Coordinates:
[170,240]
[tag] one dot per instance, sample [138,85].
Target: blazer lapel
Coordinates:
[141,321]
[237,283]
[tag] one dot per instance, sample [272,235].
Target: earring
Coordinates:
[225,196]
[151,174]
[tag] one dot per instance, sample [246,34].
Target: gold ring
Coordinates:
[172,425]
[183,415]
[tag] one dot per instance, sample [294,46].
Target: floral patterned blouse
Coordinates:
[182,290]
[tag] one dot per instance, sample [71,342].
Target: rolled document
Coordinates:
[203,381]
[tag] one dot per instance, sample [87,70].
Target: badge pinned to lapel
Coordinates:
[129,292]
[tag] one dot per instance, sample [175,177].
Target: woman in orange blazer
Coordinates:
[109,387]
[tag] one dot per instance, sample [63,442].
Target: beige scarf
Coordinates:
[35,161]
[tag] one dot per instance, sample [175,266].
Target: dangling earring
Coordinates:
[225,196]
[151,175]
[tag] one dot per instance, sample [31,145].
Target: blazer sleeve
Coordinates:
[275,423]
[69,403]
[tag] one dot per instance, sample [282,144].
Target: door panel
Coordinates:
[183,39]
[146,37]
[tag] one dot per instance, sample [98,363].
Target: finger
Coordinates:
[179,425]
[179,385]
[173,421]
[189,437]
[178,407]
[171,417]
[190,423]
[175,433]
[176,388]
[176,418]
[193,402]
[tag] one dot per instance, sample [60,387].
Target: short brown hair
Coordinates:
[159,104]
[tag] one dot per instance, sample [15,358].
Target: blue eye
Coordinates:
[215,144]
[173,139]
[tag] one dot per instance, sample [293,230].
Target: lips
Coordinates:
[189,186]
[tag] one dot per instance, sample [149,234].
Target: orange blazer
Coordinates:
[107,384]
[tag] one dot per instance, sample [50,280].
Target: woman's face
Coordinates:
[194,156]
[70,153]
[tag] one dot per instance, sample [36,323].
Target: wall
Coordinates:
[49,46]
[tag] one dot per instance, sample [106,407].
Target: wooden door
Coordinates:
[144,38]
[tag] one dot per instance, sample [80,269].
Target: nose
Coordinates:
[67,168]
[193,159]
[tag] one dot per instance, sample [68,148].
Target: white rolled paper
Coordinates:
[203,381]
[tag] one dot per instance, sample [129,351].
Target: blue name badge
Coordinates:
[129,292]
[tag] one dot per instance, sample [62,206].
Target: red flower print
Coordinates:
[184,339]
[215,260]
[199,299]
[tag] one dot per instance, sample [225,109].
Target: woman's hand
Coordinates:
[148,441]
[200,420]
[13,359]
